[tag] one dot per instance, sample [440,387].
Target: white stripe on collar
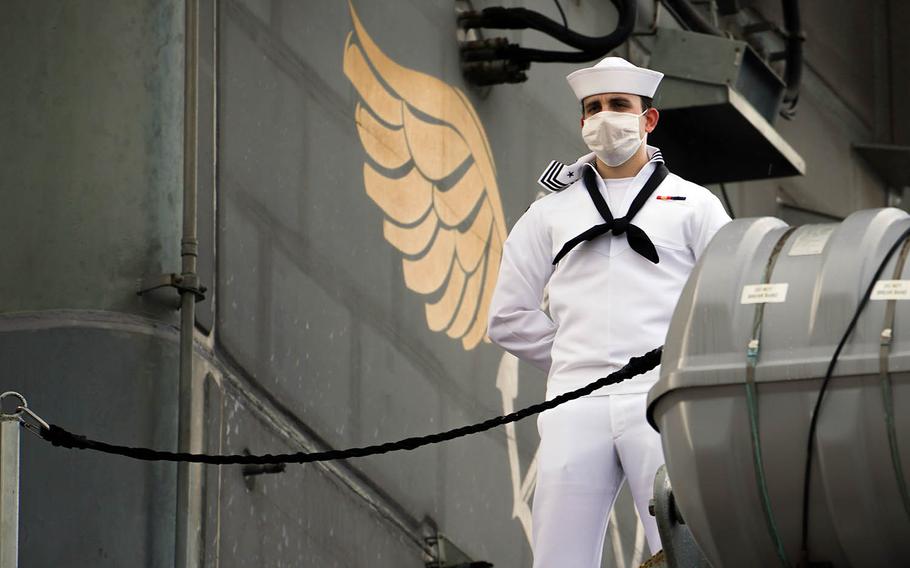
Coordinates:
[558,176]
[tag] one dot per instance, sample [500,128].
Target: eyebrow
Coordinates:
[617,101]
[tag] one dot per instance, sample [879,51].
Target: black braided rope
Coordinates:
[636,366]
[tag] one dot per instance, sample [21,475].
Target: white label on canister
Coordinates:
[764,293]
[811,239]
[891,290]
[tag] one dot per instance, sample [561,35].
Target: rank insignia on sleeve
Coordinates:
[671,197]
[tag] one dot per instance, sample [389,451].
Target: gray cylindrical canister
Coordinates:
[791,312]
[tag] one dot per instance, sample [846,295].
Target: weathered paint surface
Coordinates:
[328,326]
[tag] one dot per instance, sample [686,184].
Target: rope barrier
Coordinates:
[62,438]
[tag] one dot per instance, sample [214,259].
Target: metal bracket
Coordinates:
[250,471]
[172,280]
[886,337]
[680,548]
[752,350]
[446,555]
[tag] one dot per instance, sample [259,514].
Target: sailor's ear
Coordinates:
[651,119]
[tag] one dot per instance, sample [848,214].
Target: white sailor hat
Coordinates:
[614,75]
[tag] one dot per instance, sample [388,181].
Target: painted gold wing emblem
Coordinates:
[430,170]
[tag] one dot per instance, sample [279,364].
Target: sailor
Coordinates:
[613,243]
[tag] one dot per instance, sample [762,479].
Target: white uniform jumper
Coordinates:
[607,303]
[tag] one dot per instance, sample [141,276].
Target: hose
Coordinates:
[794,72]
[521,18]
[497,49]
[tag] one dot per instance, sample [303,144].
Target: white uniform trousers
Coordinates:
[587,447]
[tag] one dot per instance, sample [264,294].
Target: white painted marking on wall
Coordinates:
[522,488]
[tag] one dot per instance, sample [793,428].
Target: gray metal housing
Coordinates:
[708,81]
[699,404]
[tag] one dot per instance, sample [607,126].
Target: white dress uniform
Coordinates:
[607,303]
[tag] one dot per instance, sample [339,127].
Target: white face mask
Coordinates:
[613,136]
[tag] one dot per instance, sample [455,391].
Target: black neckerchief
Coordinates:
[637,238]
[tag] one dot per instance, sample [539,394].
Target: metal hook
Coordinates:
[35,427]
[19,407]
[27,418]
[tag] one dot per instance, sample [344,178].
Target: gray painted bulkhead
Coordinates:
[91,161]
[309,337]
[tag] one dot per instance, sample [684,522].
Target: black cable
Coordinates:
[494,60]
[723,192]
[636,366]
[565,22]
[794,70]
[522,18]
[821,393]
[500,18]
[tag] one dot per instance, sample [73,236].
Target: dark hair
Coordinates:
[646,103]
